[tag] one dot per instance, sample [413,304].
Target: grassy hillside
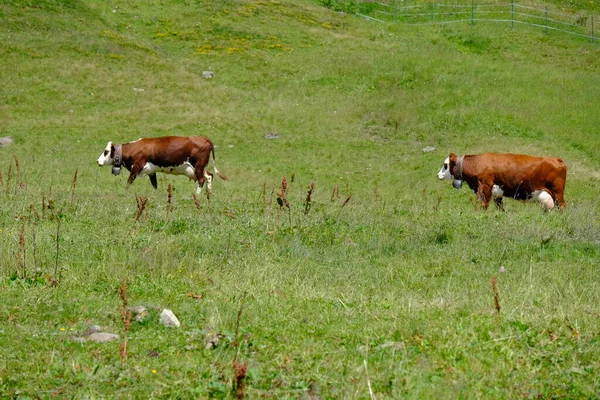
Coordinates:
[381,288]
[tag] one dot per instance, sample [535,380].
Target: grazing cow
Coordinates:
[178,155]
[518,176]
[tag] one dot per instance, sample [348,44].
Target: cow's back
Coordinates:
[518,174]
[172,150]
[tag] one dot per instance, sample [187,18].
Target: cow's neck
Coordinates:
[459,164]
[118,158]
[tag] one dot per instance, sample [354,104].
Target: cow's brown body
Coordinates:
[515,175]
[180,155]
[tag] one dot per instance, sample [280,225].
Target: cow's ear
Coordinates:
[452,157]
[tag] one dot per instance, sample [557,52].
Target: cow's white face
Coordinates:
[445,171]
[106,158]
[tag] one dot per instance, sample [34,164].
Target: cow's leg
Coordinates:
[498,202]
[135,170]
[199,175]
[153,180]
[559,195]
[209,180]
[484,193]
[560,199]
[497,194]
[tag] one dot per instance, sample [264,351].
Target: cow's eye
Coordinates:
[105,152]
[445,166]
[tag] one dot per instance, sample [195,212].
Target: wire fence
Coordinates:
[577,24]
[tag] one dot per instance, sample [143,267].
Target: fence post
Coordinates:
[546,18]
[512,14]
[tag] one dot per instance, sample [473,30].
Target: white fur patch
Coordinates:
[544,198]
[105,158]
[496,191]
[445,171]
[184,169]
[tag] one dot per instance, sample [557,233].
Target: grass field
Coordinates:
[379,287]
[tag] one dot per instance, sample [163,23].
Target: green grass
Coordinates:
[398,279]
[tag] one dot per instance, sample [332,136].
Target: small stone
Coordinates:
[94,329]
[271,135]
[102,337]
[5,141]
[212,339]
[137,310]
[167,318]
[208,74]
[428,149]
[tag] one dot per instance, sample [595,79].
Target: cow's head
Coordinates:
[111,156]
[108,155]
[448,167]
[450,171]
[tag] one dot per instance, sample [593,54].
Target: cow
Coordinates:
[522,177]
[177,155]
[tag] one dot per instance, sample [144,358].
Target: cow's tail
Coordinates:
[212,150]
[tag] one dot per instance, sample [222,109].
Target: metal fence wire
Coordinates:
[576,24]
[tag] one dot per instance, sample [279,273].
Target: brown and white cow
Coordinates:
[178,155]
[518,176]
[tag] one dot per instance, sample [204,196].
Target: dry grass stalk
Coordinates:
[34,237]
[34,212]
[282,196]
[496,295]
[126,318]
[335,193]
[196,201]
[18,167]
[346,202]
[8,178]
[376,193]
[73,185]
[308,202]
[141,206]
[263,193]
[56,271]
[240,370]
[43,206]
[21,266]
[169,200]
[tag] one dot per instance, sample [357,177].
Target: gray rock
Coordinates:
[137,310]
[102,337]
[94,329]
[212,339]
[5,141]
[271,135]
[208,74]
[167,318]
[428,149]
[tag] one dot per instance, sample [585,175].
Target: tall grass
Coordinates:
[370,278]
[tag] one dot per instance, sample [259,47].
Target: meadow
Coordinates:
[364,278]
